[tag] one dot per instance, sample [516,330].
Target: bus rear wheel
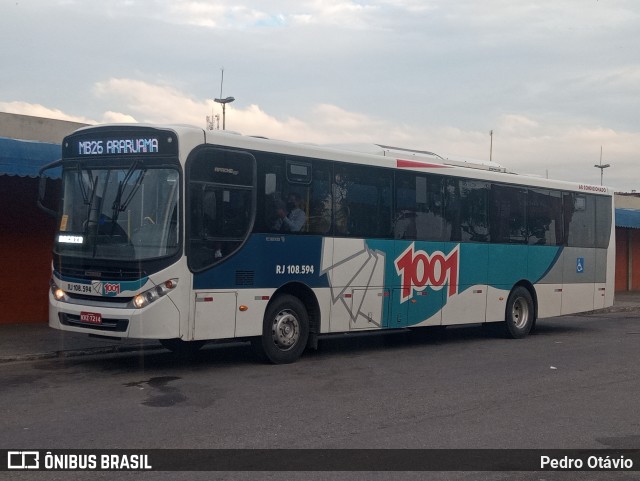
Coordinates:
[285,331]
[520,313]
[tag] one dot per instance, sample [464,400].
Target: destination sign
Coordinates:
[134,141]
[118,146]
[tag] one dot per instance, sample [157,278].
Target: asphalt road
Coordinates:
[571,384]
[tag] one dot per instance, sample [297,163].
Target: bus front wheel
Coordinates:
[520,314]
[285,331]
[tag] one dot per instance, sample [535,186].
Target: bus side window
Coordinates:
[580,220]
[362,199]
[418,207]
[303,188]
[508,217]
[466,210]
[318,205]
[544,217]
[603,221]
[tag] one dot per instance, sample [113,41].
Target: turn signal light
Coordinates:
[151,295]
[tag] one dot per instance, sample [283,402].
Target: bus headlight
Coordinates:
[151,295]
[58,293]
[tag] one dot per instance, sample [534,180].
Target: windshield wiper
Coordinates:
[120,206]
[86,196]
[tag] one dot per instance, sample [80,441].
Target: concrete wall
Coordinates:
[627,201]
[26,242]
[627,259]
[627,247]
[25,127]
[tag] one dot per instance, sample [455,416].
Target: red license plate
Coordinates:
[91,317]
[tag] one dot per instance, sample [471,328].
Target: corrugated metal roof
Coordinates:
[629,218]
[24,158]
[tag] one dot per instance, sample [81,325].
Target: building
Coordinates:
[26,144]
[627,242]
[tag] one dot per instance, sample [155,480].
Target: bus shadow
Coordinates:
[220,355]
[400,339]
[223,355]
[433,336]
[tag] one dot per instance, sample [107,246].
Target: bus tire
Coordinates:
[182,349]
[520,313]
[285,331]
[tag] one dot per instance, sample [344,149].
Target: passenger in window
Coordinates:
[339,191]
[405,225]
[290,217]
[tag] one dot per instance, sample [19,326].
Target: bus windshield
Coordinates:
[126,213]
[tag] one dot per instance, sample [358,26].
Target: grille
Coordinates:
[102,273]
[245,278]
[93,300]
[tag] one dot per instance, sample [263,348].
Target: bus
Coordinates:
[187,235]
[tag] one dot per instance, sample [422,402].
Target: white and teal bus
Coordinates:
[187,235]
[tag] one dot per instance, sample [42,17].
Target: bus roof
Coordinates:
[371,154]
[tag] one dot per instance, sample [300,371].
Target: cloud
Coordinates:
[37,110]
[514,123]
[147,102]
[117,117]
[343,13]
[235,15]
[215,15]
[136,100]
[521,142]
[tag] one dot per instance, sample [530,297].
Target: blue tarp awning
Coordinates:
[629,218]
[24,158]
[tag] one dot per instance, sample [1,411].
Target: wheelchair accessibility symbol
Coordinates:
[580,265]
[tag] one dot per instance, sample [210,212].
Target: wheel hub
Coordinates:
[286,330]
[520,313]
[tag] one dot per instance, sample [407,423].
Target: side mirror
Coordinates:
[49,187]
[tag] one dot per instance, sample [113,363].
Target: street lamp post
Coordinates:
[601,166]
[491,146]
[224,103]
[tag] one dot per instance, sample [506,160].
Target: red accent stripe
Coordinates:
[412,163]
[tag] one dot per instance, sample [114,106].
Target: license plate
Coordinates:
[77,288]
[91,317]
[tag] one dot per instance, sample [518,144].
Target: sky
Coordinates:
[555,81]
